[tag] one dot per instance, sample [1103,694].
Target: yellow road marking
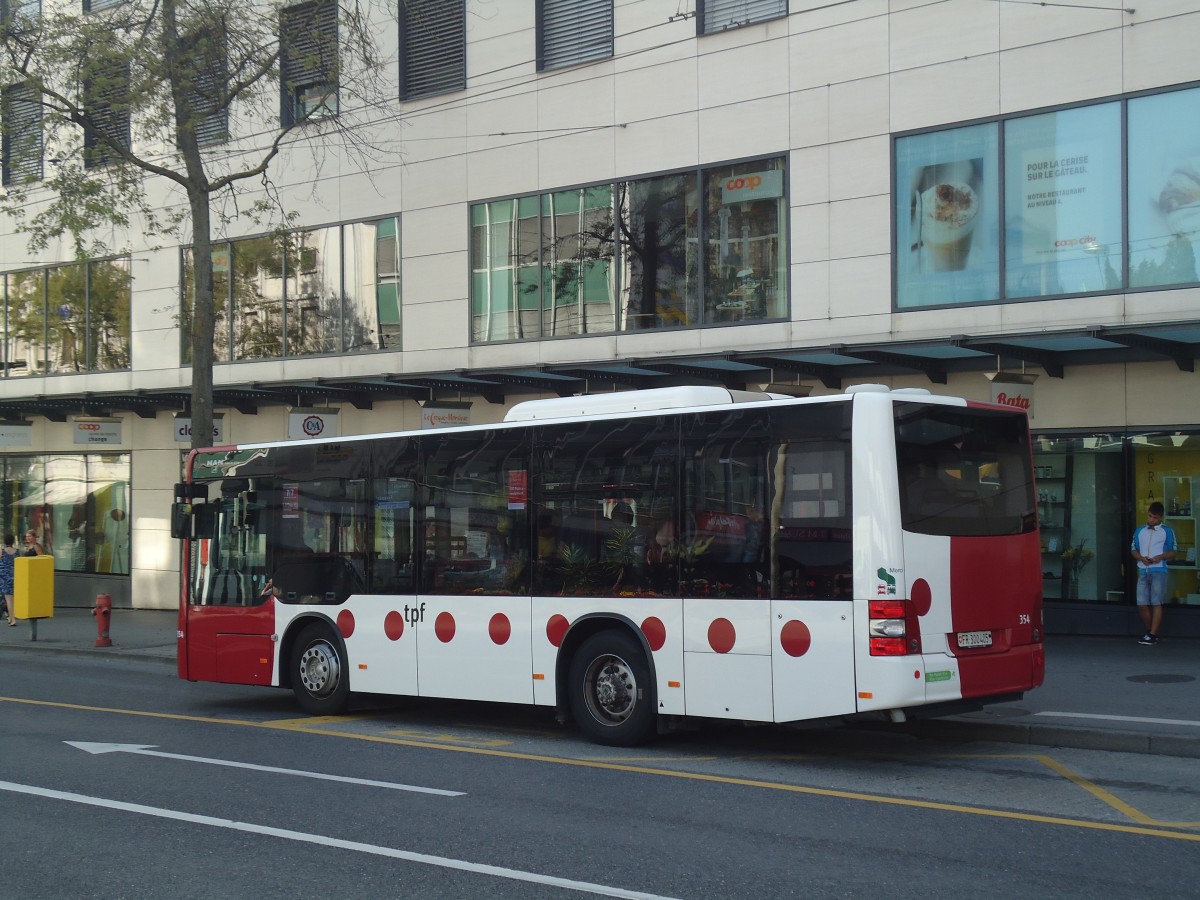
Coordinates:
[1145,830]
[418,735]
[1094,789]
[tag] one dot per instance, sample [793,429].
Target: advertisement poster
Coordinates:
[947,217]
[1164,189]
[1063,202]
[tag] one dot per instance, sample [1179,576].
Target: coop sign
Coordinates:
[96,431]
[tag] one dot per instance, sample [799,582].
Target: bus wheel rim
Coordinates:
[611,690]
[320,669]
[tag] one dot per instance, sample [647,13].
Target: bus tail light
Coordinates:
[889,632]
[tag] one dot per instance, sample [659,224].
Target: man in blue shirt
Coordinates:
[1153,544]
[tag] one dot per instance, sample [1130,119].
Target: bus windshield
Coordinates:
[964,471]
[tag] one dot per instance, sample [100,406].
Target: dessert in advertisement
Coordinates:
[948,214]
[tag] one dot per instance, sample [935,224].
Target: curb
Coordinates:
[1058,736]
[112,653]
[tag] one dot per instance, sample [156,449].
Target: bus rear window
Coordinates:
[964,471]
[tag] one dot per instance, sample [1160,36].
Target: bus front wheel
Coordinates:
[319,677]
[610,690]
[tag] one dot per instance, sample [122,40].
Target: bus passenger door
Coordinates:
[812,658]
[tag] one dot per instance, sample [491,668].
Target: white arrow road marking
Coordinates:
[375,850]
[147,750]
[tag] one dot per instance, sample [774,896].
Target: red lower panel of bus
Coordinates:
[244,659]
[1020,669]
[230,644]
[996,593]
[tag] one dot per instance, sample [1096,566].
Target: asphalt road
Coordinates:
[119,781]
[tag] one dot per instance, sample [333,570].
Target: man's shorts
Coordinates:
[1151,587]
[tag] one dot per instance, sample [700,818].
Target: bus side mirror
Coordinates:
[204,519]
[181,519]
[189,521]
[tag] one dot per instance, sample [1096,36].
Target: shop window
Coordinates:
[76,506]
[1167,469]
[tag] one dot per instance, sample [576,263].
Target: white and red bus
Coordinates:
[630,559]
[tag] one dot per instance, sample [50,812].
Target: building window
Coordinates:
[948,217]
[574,31]
[324,290]
[90,6]
[106,108]
[16,13]
[1062,201]
[308,62]
[1164,189]
[703,247]
[433,47]
[719,15]
[21,117]
[1096,199]
[69,318]
[76,505]
[208,51]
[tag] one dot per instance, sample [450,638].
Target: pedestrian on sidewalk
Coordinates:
[8,553]
[1153,544]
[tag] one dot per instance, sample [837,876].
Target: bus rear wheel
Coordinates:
[610,690]
[320,680]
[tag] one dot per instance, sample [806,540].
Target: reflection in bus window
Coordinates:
[476,514]
[605,497]
[963,472]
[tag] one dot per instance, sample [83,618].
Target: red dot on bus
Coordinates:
[500,629]
[721,635]
[444,627]
[556,629]
[921,595]
[795,638]
[393,625]
[345,623]
[655,632]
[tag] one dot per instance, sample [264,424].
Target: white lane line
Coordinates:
[147,750]
[1146,720]
[358,847]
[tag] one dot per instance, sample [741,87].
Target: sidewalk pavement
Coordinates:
[1100,693]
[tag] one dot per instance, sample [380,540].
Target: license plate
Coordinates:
[974,639]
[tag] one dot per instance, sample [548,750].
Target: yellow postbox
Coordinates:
[33,587]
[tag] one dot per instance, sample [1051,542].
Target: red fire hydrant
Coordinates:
[103,613]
